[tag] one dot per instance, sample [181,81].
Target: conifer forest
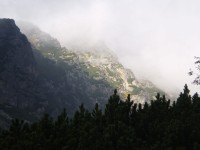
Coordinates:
[122,125]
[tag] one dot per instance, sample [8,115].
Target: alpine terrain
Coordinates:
[38,75]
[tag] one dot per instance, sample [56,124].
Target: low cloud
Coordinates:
[156,39]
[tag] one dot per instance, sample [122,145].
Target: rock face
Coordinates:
[41,76]
[63,71]
[17,68]
[32,83]
[98,65]
[102,65]
[17,64]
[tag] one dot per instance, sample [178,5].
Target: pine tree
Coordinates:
[61,131]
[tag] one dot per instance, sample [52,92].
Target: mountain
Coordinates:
[104,66]
[41,76]
[17,71]
[98,64]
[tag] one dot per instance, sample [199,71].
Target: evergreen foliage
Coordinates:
[196,71]
[123,125]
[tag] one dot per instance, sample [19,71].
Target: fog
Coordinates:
[156,39]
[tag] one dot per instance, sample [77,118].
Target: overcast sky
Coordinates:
[157,39]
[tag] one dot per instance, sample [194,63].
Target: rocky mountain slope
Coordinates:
[18,71]
[98,64]
[41,76]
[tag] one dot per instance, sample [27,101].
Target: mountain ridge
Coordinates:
[100,62]
[42,76]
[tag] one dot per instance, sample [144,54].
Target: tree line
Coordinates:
[122,125]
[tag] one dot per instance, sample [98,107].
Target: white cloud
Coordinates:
[157,39]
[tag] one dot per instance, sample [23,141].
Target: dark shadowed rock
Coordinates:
[45,77]
[18,71]
[17,64]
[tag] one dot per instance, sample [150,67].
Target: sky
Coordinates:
[156,39]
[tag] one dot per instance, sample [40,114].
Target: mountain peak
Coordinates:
[8,27]
[39,39]
[16,60]
[49,78]
[98,62]
[14,46]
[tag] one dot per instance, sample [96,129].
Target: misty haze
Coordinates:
[61,60]
[157,40]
